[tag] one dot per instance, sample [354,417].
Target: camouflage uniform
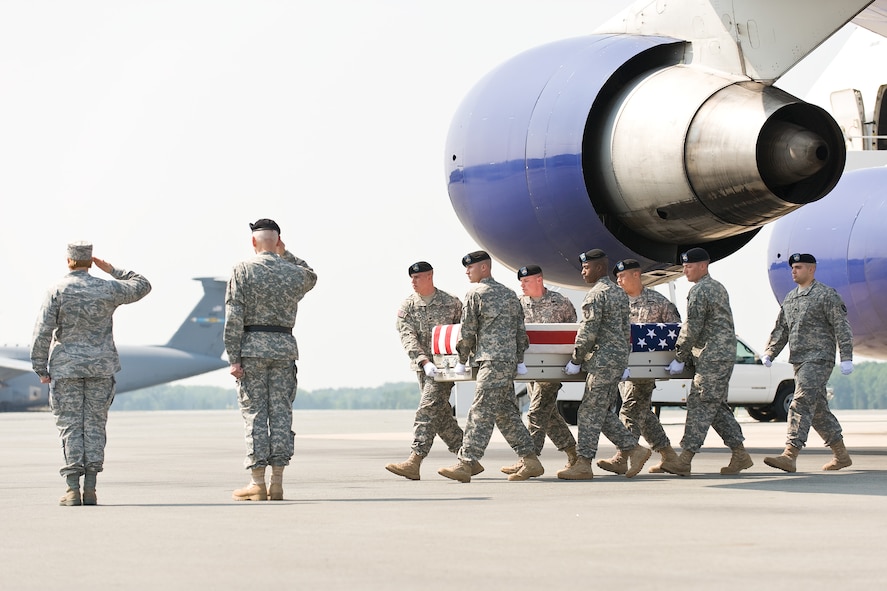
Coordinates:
[708,341]
[637,394]
[543,416]
[416,320]
[264,292]
[73,343]
[493,331]
[603,343]
[813,322]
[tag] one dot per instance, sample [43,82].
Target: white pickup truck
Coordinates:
[765,392]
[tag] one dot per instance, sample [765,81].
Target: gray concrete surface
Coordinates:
[166,520]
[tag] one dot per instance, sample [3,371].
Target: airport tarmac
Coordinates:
[166,520]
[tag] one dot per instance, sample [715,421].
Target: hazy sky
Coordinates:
[158,130]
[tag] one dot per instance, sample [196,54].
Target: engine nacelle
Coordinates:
[608,141]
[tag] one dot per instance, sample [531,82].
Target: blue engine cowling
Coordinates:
[608,141]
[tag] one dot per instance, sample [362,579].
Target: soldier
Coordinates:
[645,306]
[708,340]
[73,351]
[416,319]
[493,332]
[603,343]
[540,304]
[261,303]
[813,321]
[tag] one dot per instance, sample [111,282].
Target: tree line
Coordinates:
[865,388]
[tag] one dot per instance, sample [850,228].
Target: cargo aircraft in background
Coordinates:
[194,349]
[664,130]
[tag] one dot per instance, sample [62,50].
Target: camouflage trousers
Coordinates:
[637,414]
[707,407]
[80,407]
[544,418]
[810,405]
[494,405]
[266,393]
[596,415]
[435,417]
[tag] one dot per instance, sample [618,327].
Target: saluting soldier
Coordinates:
[417,316]
[813,322]
[261,303]
[73,351]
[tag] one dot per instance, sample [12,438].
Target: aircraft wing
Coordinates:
[10,368]
[874,18]
[759,39]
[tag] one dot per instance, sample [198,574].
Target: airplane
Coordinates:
[663,130]
[195,348]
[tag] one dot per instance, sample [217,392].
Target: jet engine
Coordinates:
[614,142]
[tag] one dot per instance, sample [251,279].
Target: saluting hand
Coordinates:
[103,265]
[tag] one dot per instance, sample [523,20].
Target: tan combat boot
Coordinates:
[668,455]
[681,465]
[787,462]
[530,468]
[571,455]
[617,464]
[476,468]
[275,491]
[637,457]
[580,470]
[71,498]
[256,490]
[740,460]
[841,459]
[408,469]
[512,469]
[89,496]
[460,471]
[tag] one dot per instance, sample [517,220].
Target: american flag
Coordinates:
[654,337]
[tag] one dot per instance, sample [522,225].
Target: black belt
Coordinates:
[267,328]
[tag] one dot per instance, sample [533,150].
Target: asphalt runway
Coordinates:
[166,520]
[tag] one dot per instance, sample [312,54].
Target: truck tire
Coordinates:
[784,395]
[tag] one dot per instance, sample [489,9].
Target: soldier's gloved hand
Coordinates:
[460,369]
[571,368]
[521,369]
[675,367]
[429,369]
[766,360]
[846,367]
[626,374]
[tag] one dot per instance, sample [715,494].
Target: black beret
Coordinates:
[475,257]
[593,254]
[801,258]
[625,265]
[419,267]
[265,224]
[528,271]
[695,255]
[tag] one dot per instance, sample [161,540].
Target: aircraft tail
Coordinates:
[202,330]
